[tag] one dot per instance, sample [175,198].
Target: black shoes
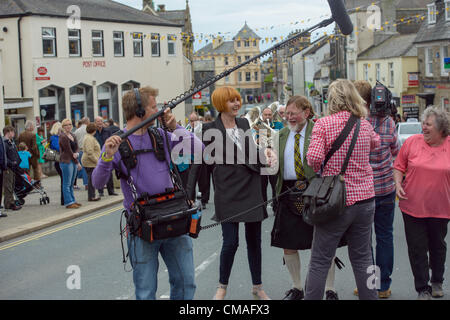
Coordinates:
[294,294]
[331,295]
[113,194]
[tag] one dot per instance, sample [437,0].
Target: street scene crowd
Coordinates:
[169,170]
[379,172]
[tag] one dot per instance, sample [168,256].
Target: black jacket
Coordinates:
[237,186]
[11,154]
[3,156]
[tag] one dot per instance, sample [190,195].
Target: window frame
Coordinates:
[366,71]
[428,62]
[171,40]
[138,38]
[391,74]
[431,13]
[442,55]
[377,71]
[47,38]
[248,76]
[77,39]
[155,39]
[121,41]
[447,10]
[98,39]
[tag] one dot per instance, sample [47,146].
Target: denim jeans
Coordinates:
[230,233]
[69,174]
[383,221]
[178,256]
[82,173]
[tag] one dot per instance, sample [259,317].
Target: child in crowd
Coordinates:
[25,156]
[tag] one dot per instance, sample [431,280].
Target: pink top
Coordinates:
[427,182]
[359,175]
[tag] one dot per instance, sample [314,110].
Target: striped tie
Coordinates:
[298,159]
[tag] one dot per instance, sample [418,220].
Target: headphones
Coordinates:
[140,112]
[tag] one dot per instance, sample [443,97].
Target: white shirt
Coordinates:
[233,133]
[289,151]
[80,133]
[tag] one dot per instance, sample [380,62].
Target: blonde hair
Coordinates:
[66,120]
[221,96]
[343,96]
[129,102]
[56,128]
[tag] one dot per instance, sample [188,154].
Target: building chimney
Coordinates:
[161,7]
[148,3]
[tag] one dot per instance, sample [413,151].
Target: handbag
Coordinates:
[51,155]
[324,199]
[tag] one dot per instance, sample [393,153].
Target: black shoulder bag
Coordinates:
[324,199]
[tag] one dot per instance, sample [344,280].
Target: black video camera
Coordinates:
[382,102]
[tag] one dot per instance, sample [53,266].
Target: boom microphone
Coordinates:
[340,16]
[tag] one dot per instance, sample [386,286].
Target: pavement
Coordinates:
[33,216]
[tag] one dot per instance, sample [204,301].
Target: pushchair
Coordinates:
[24,186]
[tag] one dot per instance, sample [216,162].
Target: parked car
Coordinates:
[407,129]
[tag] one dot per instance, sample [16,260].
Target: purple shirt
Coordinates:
[150,175]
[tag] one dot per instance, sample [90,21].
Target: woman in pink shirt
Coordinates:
[424,199]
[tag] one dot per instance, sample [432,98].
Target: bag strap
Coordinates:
[339,140]
[352,146]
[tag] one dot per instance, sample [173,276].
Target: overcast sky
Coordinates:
[272,18]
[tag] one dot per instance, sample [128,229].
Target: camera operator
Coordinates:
[153,177]
[381,160]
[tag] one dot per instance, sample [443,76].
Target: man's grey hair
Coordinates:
[442,119]
[29,125]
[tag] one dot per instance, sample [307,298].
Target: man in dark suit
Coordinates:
[13,161]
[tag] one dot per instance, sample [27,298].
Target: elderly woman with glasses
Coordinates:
[69,163]
[424,194]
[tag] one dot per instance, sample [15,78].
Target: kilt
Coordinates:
[289,230]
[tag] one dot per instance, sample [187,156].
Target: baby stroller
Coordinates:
[24,186]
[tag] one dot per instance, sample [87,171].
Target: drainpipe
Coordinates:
[20,56]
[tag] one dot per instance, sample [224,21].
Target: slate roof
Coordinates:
[435,32]
[246,33]
[394,46]
[226,47]
[97,10]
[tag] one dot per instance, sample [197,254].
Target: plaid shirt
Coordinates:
[359,175]
[381,158]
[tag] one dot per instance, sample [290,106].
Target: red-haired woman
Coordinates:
[237,184]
